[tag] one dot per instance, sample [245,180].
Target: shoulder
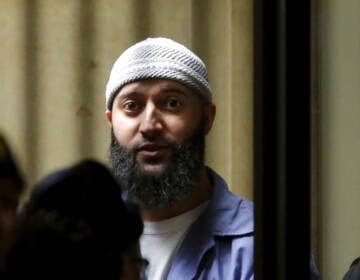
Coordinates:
[231,213]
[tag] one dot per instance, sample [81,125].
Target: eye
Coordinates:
[172,103]
[131,106]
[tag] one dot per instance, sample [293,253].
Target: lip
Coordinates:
[153,149]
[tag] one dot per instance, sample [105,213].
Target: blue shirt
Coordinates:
[220,244]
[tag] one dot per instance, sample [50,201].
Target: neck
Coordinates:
[201,193]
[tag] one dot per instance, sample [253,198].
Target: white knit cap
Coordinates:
[160,58]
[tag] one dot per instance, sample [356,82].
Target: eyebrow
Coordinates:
[165,89]
[128,93]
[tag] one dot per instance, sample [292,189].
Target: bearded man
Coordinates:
[159,105]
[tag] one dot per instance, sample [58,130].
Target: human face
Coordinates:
[151,117]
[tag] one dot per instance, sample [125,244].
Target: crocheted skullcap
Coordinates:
[158,58]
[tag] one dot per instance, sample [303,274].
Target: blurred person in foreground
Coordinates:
[354,270]
[76,226]
[11,188]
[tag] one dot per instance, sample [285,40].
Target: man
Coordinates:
[159,106]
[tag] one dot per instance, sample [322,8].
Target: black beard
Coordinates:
[176,181]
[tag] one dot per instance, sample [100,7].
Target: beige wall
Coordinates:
[340,135]
[55,61]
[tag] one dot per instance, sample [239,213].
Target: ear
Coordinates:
[209,116]
[108,115]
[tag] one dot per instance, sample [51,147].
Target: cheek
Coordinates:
[177,127]
[125,129]
[182,127]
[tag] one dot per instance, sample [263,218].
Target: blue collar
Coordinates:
[226,215]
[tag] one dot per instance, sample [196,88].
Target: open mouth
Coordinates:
[153,150]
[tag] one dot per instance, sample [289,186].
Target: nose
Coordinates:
[152,122]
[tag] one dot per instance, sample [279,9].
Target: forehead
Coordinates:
[151,86]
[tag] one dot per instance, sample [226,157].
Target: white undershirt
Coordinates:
[161,240]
